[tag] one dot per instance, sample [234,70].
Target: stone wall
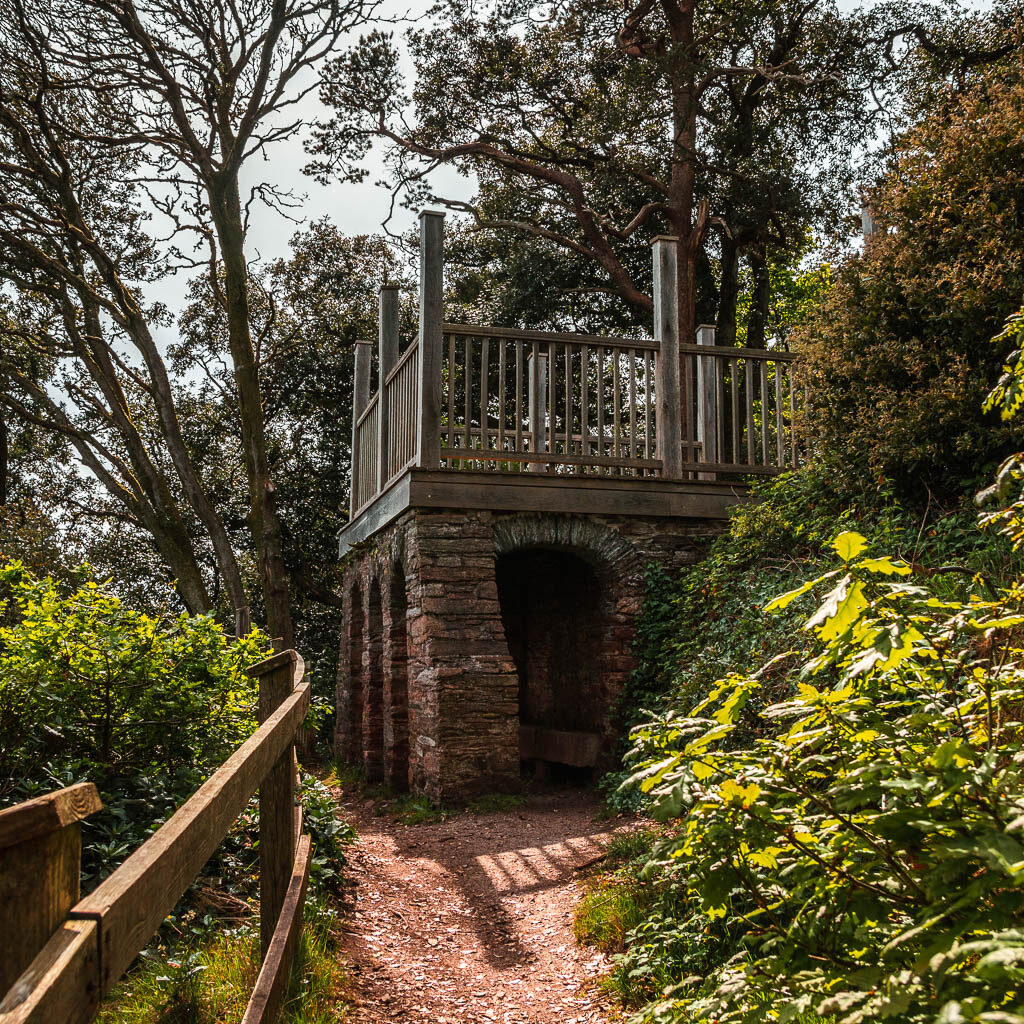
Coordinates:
[429,690]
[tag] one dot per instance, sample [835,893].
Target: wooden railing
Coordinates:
[400,403]
[743,419]
[515,400]
[498,399]
[366,455]
[88,944]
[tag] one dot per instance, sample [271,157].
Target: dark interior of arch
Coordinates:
[551,612]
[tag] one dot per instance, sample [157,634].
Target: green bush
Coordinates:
[846,841]
[897,355]
[91,690]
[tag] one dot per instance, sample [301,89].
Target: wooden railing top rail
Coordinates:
[769,354]
[108,928]
[370,406]
[402,360]
[605,341]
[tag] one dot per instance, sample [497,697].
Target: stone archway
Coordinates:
[568,589]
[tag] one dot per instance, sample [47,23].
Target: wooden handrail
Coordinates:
[769,354]
[370,406]
[593,340]
[104,932]
[402,360]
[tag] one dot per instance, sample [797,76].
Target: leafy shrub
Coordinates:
[898,356]
[866,843]
[708,620]
[847,839]
[91,690]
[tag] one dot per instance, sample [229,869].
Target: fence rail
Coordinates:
[505,400]
[102,934]
[517,400]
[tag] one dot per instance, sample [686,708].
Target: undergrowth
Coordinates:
[205,976]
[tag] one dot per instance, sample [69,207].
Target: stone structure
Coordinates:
[508,489]
[477,641]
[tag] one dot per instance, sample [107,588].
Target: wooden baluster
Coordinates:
[764,411]
[734,409]
[538,381]
[485,396]
[632,402]
[616,406]
[568,399]
[707,401]
[519,395]
[585,403]
[600,403]
[453,369]
[792,415]
[387,357]
[672,418]
[780,441]
[648,398]
[467,423]
[502,402]
[749,373]
[360,400]
[551,443]
[720,407]
[428,435]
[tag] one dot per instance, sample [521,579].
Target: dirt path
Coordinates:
[470,920]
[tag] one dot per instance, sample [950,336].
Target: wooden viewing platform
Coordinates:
[469,417]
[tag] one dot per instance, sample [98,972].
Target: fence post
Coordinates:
[40,870]
[387,357]
[428,432]
[707,401]
[668,400]
[277,677]
[360,400]
[537,375]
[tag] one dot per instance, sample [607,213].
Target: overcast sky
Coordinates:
[356,209]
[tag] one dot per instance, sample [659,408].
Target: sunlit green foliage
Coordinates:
[851,848]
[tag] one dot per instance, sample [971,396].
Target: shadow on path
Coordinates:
[470,919]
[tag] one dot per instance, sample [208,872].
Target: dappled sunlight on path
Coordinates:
[470,920]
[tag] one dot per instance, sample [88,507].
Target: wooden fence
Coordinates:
[497,399]
[65,954]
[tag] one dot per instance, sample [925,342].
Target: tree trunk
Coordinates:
[760,304]
[4,457]
[264,523]
[728,292]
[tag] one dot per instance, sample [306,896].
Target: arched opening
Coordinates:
[551,612]
[356,623]
[398,740]
[373,673]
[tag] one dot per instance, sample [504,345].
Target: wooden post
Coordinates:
[537,376]
[387,357]
[707,401]
[360,400]
[40,870]
[428,432]
[670,412]
[277,676]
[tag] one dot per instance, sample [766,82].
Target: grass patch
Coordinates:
[494,803]
[413,810]
[609,912]
[208,979]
